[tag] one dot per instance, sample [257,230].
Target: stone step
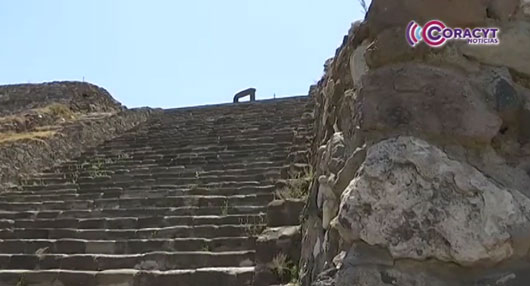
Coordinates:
[95,187]
[158,260]
[181,147]
[196,130]
[168,171]
[113,203]
[70,167]
[184,143]
[169,150]
[181,231]
[159,138]
[247,134]
[131,222]
[138,192]
[102,178]
[214,151]
[241,144]
[276,159]
[131,246]
[220,276]
[138,212]
[214,144]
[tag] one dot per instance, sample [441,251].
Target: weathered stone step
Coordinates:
[235,132]
[165,178]
[278,160]
[183,142]
[204,151]
[132,246]
[169,147]
[203,231]
[138,192]
[197,158]
[70,166]
[221,276]
[198,130]
[139,212]
[168,171]
[113,203]
[243,143]
[208,165]
[94,187]
[144,261]
[131,222]
[227,135]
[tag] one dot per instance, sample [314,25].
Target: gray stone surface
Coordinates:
[512,51]
[412,199]
[421,99]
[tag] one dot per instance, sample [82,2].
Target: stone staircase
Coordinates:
[179,201]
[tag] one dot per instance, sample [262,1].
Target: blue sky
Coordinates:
[164,53]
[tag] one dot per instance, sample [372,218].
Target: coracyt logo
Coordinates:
[435,34]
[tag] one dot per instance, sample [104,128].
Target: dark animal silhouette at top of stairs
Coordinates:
[178,200]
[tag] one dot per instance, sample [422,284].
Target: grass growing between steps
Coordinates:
[225,209]
[22,282]
[285,269]
[297,186]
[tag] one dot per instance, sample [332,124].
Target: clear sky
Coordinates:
[172,53]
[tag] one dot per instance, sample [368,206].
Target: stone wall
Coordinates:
[42,125]
[422,155]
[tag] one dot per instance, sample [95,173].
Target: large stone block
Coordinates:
[411,198]
[358,65]
[419,99]
[370,265]
[284,212]
[273,241]
[390,46]
[384,14]
[512,52]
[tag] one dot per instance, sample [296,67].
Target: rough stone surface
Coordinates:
[327,200]
[502,9]
[421,99]
[358,64]
[370,265]
[386,14]
[389,47]
[414,200]
[512,51]
[284,212]
[278,240]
